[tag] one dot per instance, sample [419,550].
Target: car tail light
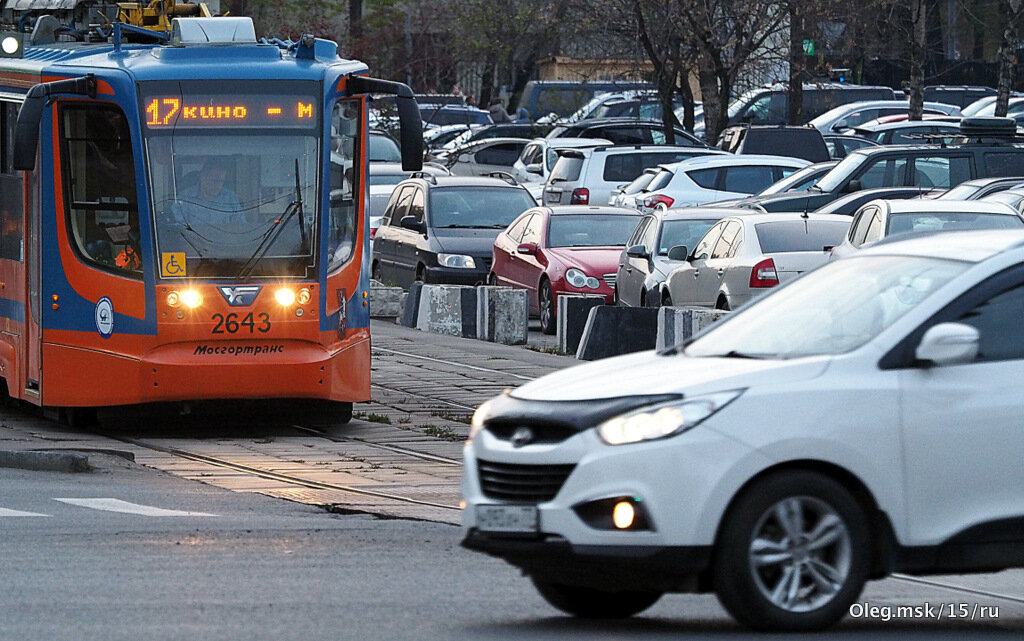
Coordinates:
[764,275]
[658,199]
[580,196]
[373,232]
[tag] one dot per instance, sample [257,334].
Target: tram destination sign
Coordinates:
[228,110]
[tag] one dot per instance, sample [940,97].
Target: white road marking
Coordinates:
[124,507]
[6,512]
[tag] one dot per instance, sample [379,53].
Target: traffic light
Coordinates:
[12,44]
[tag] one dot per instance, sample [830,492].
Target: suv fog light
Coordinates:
[625,513]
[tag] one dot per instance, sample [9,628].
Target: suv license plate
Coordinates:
[507,518]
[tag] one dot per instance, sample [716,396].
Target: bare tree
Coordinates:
[1011,13]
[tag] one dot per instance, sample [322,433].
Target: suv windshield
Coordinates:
[838,308]
[233,172]
[833,179]
[469,207]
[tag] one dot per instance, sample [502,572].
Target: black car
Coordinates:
[775,140]
[626,131]
[441,229]
[503,130]
[988,148]
[840,145]
[850,203]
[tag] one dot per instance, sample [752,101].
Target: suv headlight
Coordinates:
[579,280]
[460,261]
[663,420]
[479,416]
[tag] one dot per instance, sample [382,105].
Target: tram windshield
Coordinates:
[234,175]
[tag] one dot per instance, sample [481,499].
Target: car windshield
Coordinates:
[660,180]
[640,183]
[797,181]
[591,230]
[488,207]
[915,222]
[800,235]
[962,191]
[837,308]
[683,232]
[383,149]
[838,175]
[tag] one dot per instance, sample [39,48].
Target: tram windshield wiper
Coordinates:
[278,226]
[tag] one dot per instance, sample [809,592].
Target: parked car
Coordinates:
[562,97]
[989,151]
[850,115]
[987,106]
[436,137]
[382,178]
[800,180]
[440,229]
[959,95]
[703,180]
[561,250]
[840,145]
[981,187]
[453,114]
[648,258]
[776,140]
[1014,197]
[485,156]
[381,147]
[904,132]
[538,158]
[848,426]
[627,131]
[638,105]
[743,256]
[850,203]
[624,195]
[883,218]
[589,175]
[502,130]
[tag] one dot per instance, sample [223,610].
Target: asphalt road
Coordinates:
[258,568]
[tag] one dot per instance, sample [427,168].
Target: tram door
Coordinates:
[15,343]
[92,272]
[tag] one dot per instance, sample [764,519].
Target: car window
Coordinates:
[504,154]
[660,180]
[566,169]
[885,172]
[401,205]
[1004,164]
[747,179]
[942,172]
[949,221]
[800,235]
[648,238]
[682,232]
[998,322]
[873,231]
[532,154]
[638,233]
[704,245]
[532,233]
[859,226]
[706,178]
[619,168]
[383,149]
[416,206]
[515,232]
[620,135]
[658,137]
[727,243]
[768,109]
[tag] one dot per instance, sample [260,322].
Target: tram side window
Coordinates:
[12,204]
[100,194]
[345,156]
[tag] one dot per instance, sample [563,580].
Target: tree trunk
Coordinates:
[917,54]
[1009,14]
[688,101]
[796,64]
[355,27]
[715,115]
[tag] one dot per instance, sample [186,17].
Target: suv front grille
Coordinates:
[522,483]
[546,433]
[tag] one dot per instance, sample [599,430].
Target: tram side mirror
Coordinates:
[26,132]
[410,122]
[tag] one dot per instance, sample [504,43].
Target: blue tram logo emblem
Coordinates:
[241,296]
[103,315]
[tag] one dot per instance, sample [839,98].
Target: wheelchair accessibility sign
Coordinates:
[172,264]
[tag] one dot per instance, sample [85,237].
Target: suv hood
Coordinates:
[470,241]
[646,373]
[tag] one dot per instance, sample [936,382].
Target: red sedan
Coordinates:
[562,250]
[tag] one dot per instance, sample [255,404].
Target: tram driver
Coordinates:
[209,202]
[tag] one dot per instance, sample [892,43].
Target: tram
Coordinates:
[182,208]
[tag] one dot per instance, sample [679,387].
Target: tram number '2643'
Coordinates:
[231,324]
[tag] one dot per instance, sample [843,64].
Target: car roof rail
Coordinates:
[425,175]
[503,175]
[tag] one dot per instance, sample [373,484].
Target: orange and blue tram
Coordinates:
[182,208]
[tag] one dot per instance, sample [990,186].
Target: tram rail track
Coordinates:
[396,449]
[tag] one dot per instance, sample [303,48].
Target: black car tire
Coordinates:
[546,301]
[588,603]
[770,534]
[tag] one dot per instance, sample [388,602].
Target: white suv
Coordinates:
[589,176]
[861,420]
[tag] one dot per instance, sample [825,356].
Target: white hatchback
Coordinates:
[862,420]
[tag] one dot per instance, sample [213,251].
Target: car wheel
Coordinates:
[547,308]
[589,603]
[793,553]
[722,303]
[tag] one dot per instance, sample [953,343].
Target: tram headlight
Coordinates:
[11,46]
[304,296]
[191,298]
[284,296]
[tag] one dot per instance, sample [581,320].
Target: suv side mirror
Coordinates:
[637,251]
[679,252]
[414,224]
[948,344]
[852,186]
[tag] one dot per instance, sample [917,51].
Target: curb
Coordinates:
[45,461]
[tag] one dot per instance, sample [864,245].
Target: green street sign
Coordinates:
[808,47]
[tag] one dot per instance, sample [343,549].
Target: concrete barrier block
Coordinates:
[448,309]
[385,302]
[502,315]
[611,331]
[571,315]
[411,309]
[679,324]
